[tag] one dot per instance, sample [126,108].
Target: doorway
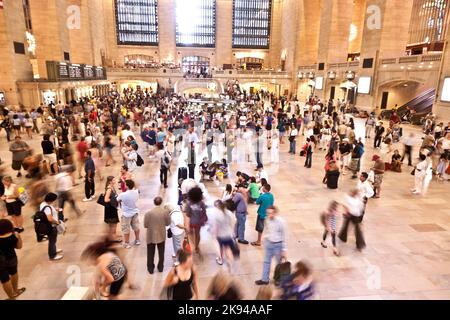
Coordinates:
[384,100]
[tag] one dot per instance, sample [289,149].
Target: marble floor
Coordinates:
[408,237]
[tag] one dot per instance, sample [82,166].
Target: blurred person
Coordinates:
[182,279]
[223,288]
[299,285]
[13,204]
[275,243]
[9,276]
[329,218]
[354,209]
[423,174]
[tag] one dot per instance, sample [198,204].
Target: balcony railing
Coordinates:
[413,59]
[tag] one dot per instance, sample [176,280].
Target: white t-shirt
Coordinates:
[176,218]
[131,162]
[128,202]
[63,182]
[49,211]
[126,134]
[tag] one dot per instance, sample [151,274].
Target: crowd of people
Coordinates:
[139,129]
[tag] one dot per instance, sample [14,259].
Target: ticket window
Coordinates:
[49,97]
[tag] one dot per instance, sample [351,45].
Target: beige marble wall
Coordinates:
[442,108]
[224,32]
[358,18]
[12,66]
[335,21]
[81,49]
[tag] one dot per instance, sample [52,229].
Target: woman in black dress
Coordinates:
[9,241]
[111,214]
[332,176]
[182,279]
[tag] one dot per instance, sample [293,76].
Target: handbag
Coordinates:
[169,233]
[101,200]
[187,245]
[61,227]
[23,198]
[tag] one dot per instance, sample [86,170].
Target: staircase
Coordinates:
[422,104]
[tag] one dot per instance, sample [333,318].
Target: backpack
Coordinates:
[139,161]
[165,160]
[41,224]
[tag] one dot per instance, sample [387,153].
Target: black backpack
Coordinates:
[41,224]
[139,161]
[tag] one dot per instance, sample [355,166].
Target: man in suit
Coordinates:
[156,221]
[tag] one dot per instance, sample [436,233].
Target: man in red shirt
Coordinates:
[82,148]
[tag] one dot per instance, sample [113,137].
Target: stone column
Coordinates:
[224,32]
[167,28]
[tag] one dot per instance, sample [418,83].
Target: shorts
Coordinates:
[16,127]
[260,224]
[17,165]
[8,269]
[14,208]
[378,179]
[129,223]
[116,286]
[50,158]
[229,243]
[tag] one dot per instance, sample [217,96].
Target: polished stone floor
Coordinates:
[408,237]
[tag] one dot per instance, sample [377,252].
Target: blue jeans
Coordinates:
[292,146]
[240,225]
[271,250]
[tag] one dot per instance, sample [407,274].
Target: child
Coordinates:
[328,219]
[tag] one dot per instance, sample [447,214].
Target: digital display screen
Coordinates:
[445,96]
[364,84]
[319,83]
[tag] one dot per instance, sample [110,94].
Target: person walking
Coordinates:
[156,221]
[64,185]
[20,150]
[182,279]
[274,244]
[379,131]
[195,210]
[408,143]
[328,219]
[10,241]
[264,201]
[165,160]
[177,228]
[130,214]
[423,174]
[89,182]
[309,151]
[354,208]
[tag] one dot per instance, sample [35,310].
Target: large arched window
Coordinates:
[251,23]
[428,21]
[137,22]
[196,23]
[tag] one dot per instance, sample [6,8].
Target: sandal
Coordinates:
[256,244]
[336,252]
[323,245]
[19,292]
[219,261]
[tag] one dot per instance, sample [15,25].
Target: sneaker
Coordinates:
[87,200]
[137,243]
[57,257]
[126,245]
[219,261]
[59,251]
[243,241]
[261,283]
[92,198]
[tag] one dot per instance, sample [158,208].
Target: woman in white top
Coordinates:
[326,137]
[28,122]
[223,227]
[227,193]
[170,139]
[386,150]
[13,204]
[422,175]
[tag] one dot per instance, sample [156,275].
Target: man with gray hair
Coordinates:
[156,221]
